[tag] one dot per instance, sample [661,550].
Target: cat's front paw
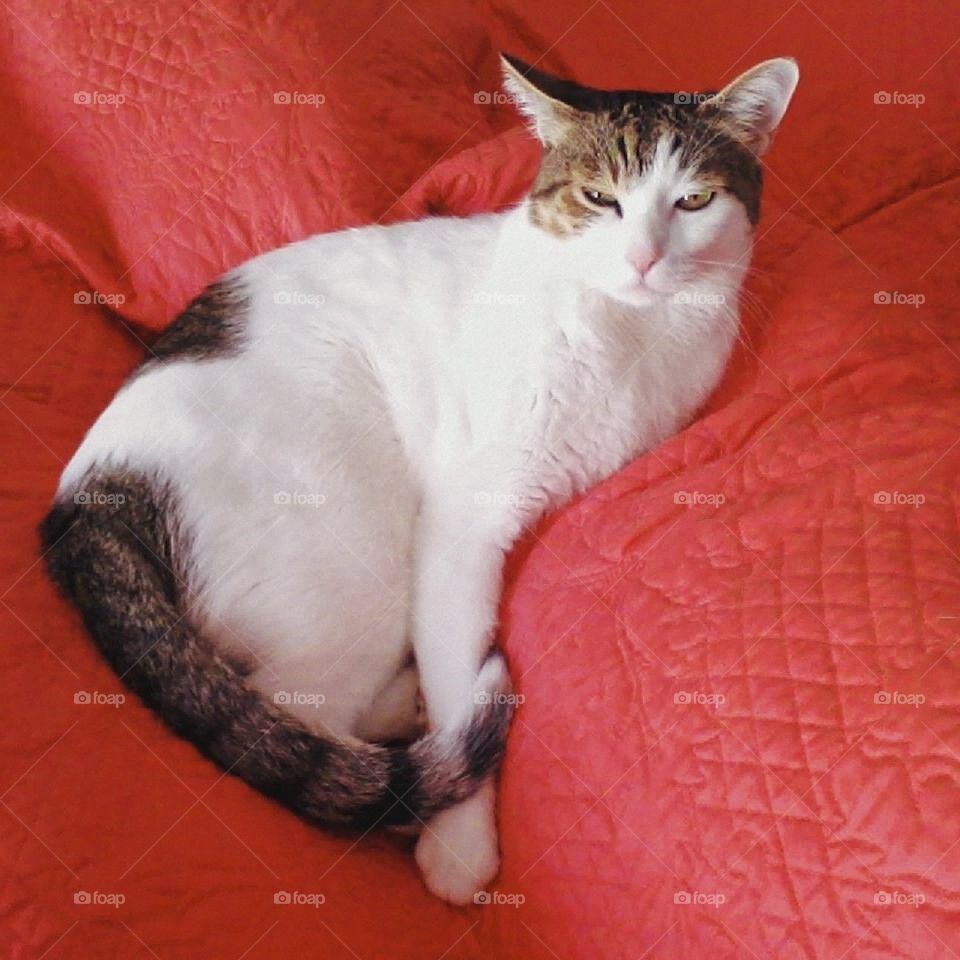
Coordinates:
[457,850]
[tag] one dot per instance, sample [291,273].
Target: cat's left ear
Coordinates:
[757,100]
[537,96]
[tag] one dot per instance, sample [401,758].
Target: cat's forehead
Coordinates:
[621,140]
[600,144]
[623,134]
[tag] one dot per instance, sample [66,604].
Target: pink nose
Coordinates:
[643,260]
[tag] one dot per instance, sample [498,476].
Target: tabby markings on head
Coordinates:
[608,139]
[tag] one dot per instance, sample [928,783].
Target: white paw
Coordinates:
[493,678]
[457,851]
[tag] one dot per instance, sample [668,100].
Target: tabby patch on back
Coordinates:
[210,326]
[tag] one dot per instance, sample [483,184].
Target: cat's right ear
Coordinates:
[531,90]
[757,100]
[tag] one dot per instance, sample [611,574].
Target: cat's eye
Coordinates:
[697,200]
[599,199]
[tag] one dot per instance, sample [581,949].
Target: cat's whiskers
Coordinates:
[746,267]
[751,305]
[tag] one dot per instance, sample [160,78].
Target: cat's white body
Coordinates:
[403,402]
[407,400]
[394,378]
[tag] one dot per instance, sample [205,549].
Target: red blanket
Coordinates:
[740,732]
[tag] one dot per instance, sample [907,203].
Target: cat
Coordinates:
[286,532]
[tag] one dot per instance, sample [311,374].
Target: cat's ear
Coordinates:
[536,96]
[757,100]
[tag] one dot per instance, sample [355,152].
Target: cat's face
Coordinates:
[651,195]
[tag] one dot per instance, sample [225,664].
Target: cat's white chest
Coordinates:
[590,403]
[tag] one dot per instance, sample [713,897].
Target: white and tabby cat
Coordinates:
[289,525]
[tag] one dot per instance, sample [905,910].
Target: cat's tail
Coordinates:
[113,560]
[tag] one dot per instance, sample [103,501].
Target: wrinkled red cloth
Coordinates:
[738,655]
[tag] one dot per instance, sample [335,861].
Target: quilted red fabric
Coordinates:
[739,656]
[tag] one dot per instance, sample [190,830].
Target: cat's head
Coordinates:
[650,194]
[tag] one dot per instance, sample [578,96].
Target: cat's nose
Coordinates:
[643,259]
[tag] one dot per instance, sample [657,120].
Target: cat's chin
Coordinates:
[639,295]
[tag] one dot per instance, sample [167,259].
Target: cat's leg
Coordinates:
[394,713]
[455,605]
